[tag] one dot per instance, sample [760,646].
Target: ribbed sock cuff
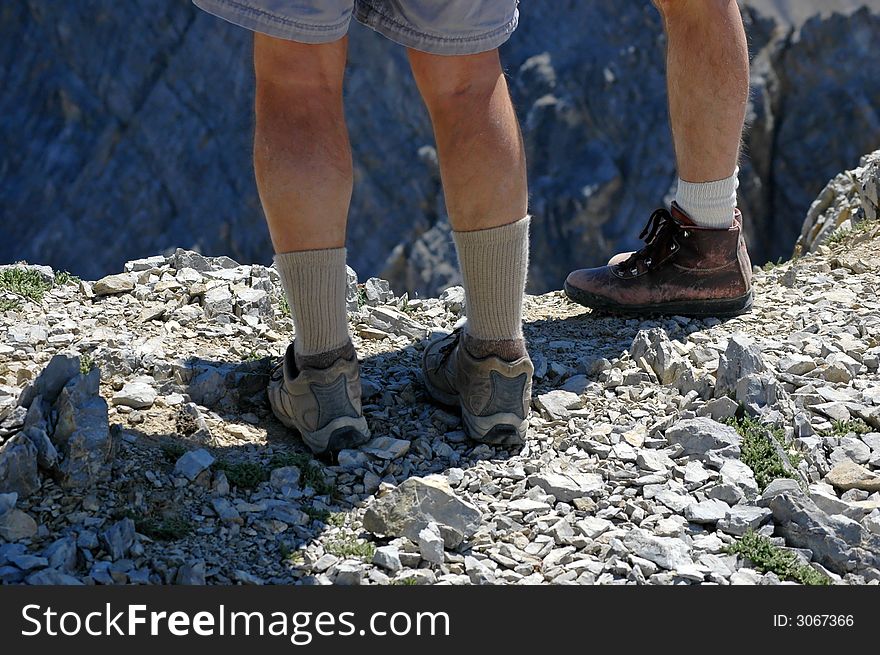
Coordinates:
[709,204]
[314,283]
[494,265]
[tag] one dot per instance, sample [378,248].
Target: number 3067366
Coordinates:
[824,620]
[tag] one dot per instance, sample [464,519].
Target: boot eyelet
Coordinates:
[685,234]
[649,261]
[634,272]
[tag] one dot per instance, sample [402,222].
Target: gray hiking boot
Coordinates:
[324,405]
[494,395]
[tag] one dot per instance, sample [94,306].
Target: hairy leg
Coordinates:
[302,161]
[708,79]
[302,157]
[482,162]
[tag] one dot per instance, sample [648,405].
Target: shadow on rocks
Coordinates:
[270,498]
[568,352]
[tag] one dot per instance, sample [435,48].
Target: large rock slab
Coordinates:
[558,403]
[18,466]
[137,394]
[737,473]
[118,538]
[740,359]
[16,524]
[837,542]
[387,447]
[742,518]
[849,475]
[51,380]
[757,392]
[47,454]
[390,320]
[191,464]
[700,436]
[657,350]
[408,509]
[82,433]
[666,552]
[708,511]
[113,284]
[568,486]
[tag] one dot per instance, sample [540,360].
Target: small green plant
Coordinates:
[23,282]
[759,453]
[9,305]
[770,558]
[63,278]
[86,364]
[311,471]
[407,308]
[336,519]
[283,305]
[843,428]
[290,555]
[165,528]
[317,514]
[839,236]
[351,547]
[244,475]
[406,582]
[769,266]
[247,475]
[845,236]
[296,558]
[362,295]
[172,452]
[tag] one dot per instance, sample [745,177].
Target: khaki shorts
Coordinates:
[442,27]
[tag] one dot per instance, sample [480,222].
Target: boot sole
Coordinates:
[501,429]
[710,308]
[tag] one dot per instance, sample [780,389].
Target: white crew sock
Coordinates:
[709,204]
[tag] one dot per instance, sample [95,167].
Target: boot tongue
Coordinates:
[681,217]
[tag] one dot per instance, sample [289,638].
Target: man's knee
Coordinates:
[284,66]
[447,82]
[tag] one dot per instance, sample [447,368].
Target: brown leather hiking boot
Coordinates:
[621,257]
[683,270]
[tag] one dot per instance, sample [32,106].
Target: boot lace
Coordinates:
[659,235]
[448,348]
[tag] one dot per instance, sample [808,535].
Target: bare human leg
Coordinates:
[708,82]
[302,161]
[483,168]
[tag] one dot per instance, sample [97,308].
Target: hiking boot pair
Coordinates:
[683,269]
[324,405]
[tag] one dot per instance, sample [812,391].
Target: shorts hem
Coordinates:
[264,22]
[434,44]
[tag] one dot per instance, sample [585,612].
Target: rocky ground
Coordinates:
[137,445]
